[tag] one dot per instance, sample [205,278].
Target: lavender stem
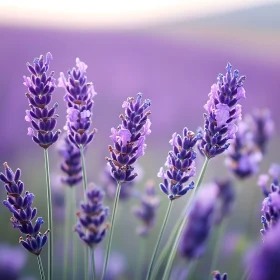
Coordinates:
[182,224]
[221,232]
[93,263]
[50,222]
[111,231]
[159,240]
[67,231]
[141,261]
[86,271]
[75,239]
[41,269]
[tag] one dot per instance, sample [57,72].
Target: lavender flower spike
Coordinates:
[147,211]
[218,276]
[79,99]
[180,164]
[271,203]
[222,112]
[129,138]
[92,225]
[40,89]
[71,165]
[20,205]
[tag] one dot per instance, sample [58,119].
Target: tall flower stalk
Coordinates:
[180,168]
[220,127]
[79,99]
[43,121]
[129,144]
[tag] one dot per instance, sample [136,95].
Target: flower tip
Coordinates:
[5,164]
[228,67]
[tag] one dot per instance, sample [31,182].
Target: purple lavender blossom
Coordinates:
[222,112]
[263,262]
[129,138]
[20,205]
[79,99]
[180,164]
[40,89]
[199,224]
[218,276]
[244,155]
[146,213]
[262,126]
[92,226]
[71,165]
[12,261]
[226,198]
[271,202]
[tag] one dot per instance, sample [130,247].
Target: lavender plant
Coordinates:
[19,204]
[220,128]
[43,121]
[129,144]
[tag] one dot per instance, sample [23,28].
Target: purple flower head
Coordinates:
[218,276]
[226,198]
[263,262]
[71,165]
[10,266]
[92,225]
[146,213]
[271,202]
[19,204]
[129,138]
[40,89]
[244,155]
[180,164]
[262,126]
[222,112]
[199,224]
[79,99]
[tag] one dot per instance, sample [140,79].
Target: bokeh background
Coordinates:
[171,51]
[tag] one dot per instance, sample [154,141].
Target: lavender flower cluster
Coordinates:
[40,89]
[180,164]
[129,138]
[92,225]
[19,204]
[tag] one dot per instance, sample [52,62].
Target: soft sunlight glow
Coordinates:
[110,13]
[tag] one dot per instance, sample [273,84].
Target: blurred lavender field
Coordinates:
[174,64]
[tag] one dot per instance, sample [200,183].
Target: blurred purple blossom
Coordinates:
[192,244]
[180,164]
[92,225]
[146,212]
[79,99]
[40,89]
[21,207]
[263,262]
[222,112]
[12,261]
[129,138]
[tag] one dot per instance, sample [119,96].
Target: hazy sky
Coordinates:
[111,13]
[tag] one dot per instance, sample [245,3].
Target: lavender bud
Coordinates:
[40,89]
[218,276]
[180,165]
[222,113]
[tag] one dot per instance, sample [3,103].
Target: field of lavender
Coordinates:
[179,181]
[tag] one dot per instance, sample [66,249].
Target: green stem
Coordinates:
[221,231]
[111,231]
[67,231]
[41,269]
[142,252]
[182,226]
[50,222]
[75,239]
[85,197]
[246,274]
[84,171]
[148,277]
[93,264]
